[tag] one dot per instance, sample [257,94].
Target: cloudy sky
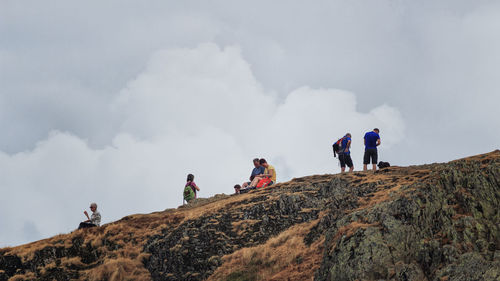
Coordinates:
[117,101]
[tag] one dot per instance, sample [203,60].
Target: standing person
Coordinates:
[345,154]
[372,140]
[190,189]
[94,220]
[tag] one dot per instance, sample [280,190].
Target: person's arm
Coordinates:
[196,187]
[87,215]
[347,146]
[260,174]
[378,142]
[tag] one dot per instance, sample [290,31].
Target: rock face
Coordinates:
[12,264]
[443,227]
[193,250]
[430,222]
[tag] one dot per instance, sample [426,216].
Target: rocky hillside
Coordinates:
[430,222]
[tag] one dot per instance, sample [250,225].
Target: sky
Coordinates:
[115,102]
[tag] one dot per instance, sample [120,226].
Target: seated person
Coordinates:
[269,173]
[237,189]
[94,220]
[258,170]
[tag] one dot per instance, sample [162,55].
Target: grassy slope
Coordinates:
[284,257]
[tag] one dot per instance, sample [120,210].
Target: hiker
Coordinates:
[372,140]
[190,189]
[345,153]
[257,170]
[267,178]
[94,220]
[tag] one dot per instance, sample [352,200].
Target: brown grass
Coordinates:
[125,263]
[129,234]
[118,269]
[27,251]
[241,226]
[494,155]
[350,229]
[377,197]
[27,276]
[70,262]
[284,257]
[388,182]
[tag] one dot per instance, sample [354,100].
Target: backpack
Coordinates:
[382,165]
[188,193]
[263,182]
[336,146]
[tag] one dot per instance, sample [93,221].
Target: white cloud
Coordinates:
[198,111]
[437,62]
[185,90]
[428,66]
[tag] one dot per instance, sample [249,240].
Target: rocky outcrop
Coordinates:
[193,250]
[445,227]
[430,222]
[12,264]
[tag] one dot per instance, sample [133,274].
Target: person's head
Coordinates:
[190,177]
[93,207]
[263,162]
[256,162]
[237,189]
[376,130]
[348,135]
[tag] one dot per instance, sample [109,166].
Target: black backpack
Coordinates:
[382,165]
[336,147]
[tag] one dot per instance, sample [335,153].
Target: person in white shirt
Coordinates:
[94,220]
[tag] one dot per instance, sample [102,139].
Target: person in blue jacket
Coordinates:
[345,153]
[372,140]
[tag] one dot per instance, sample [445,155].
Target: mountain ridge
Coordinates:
[428,222]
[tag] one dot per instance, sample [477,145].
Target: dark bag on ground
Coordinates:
[382,165]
